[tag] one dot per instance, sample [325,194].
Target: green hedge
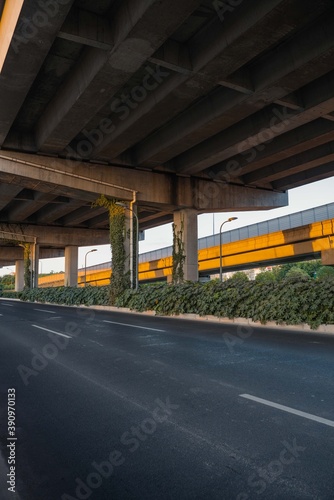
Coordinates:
[70,296]
[294,300]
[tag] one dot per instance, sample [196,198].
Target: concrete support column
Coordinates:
[327,257]
[71,266]
[19,275]
[190,239]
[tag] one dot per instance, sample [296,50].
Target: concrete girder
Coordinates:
[87,28]
[298,163]
[81,215]
[305,177]
[318,98]
[162,190]
[289,144]
[99,221]
[12,253]
[52,213]
[7,194]
[29,47]
[25,209]
[130,125]
[173,55]
[100,74]
[292,67]
[212,62]
[60,236]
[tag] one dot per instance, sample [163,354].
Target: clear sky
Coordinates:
[309,196]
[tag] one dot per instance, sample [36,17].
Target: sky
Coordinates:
[302,198]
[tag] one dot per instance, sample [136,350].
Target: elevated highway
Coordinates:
[292,242]
[178,107]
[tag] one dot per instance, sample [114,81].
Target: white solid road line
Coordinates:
[134,326]
[8,305]
[51,331]
[309,416]
[45,311]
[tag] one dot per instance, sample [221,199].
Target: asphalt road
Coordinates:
[120,406]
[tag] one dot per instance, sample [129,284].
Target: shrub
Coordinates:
[293,300]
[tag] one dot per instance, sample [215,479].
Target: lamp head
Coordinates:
[231,219]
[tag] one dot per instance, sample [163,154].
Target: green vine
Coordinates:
[179,256]
[27,265]
[119,279]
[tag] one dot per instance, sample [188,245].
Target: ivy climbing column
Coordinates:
[187,220]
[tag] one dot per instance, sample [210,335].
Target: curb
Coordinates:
[214,319]
[196,317]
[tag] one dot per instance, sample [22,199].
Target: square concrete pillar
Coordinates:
[190,240]
[327,257]
[71,266]
[19,275]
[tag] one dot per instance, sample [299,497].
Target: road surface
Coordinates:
[120,406]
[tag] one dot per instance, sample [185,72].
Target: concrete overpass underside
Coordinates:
[192,106]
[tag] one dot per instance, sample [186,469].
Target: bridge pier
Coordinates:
[71,266]
[327,257]
[19,275]
[188,218]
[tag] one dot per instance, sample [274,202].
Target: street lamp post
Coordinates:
[89,251]
[220,247]
[134,279]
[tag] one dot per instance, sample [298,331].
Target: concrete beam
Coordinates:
[305,177]
[303,161]
[81,215]
[81,96]
[11,254]
[213,55]
[261,127]
[137,123]
[87,28]
[161,190]
[60,236]
[29,46]
[55,212]
[173,55]
[291,68]
[23,210]
[14,253]
[280,148]
[7,194]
